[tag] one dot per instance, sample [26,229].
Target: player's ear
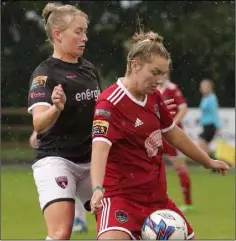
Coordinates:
[135,66]
[57,35]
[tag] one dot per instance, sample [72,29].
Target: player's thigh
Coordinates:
[56,186]
[119,217]
[84,187]
[59,218]
[111,235]
[171,205]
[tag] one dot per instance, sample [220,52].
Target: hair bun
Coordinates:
[49,8]
[139,37]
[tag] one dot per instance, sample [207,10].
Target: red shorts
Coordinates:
[121,214]
[169,150]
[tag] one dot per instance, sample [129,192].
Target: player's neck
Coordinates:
[132,90]
[65,57]
[209,93]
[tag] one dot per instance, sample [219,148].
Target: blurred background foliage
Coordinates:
[200,36]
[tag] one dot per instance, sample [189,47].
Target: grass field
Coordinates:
[213,196]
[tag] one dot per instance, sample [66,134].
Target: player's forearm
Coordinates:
[178,139]
[100,151]
[180,115]
[45,120]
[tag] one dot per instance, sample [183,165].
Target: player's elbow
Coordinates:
[38,125]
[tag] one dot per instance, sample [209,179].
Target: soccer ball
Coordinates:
[163,225]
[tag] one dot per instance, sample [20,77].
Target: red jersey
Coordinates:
[135,169]
[171,91]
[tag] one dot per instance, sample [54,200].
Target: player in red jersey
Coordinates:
[169,90]
[127,172]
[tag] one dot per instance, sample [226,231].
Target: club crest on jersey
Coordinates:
[121,216]
[100,127]
[62,181]
[156,109]
[153,142]
[39,81]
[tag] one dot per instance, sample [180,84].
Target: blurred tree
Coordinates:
[199,35]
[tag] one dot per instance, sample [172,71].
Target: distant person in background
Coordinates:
[209,119]
[169,90]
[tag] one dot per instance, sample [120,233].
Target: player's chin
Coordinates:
[79,52]
[150,91]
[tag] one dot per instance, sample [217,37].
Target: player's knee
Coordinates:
[62,233]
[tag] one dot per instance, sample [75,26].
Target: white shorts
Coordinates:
[58,179]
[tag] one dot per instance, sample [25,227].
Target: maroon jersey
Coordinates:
[171,91]
[133,129]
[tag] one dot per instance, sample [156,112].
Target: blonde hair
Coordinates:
[54,16]
[144,46]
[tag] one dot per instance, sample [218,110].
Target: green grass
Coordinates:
[213,197]
[14,155]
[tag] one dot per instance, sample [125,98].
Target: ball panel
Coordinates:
[164,225]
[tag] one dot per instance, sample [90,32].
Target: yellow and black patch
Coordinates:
[100,127]
[39,81]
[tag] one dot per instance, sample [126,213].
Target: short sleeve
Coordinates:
[164,115]
[179,99]
[106,126]
[39,93]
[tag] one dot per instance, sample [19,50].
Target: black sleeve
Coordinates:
[39,93]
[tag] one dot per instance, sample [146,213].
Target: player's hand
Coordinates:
[58,97]
[220,166]
[170,106]
[33,140]
[95,202]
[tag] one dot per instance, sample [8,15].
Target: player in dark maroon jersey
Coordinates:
[170,90]
[127,172]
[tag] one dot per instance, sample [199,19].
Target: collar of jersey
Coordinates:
[142,103]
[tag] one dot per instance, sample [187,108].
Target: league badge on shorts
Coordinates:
[156,109]
[121,216]
[62,181]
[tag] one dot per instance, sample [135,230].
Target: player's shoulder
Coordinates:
[213,97]
[172,86]
[112,95]
[87,63]
[41,73]
[43,68]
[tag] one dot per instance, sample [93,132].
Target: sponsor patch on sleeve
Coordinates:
[39,81]
[100,127]
[102,112]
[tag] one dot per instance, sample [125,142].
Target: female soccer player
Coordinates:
[130,120]
[62,96]
[170,90]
